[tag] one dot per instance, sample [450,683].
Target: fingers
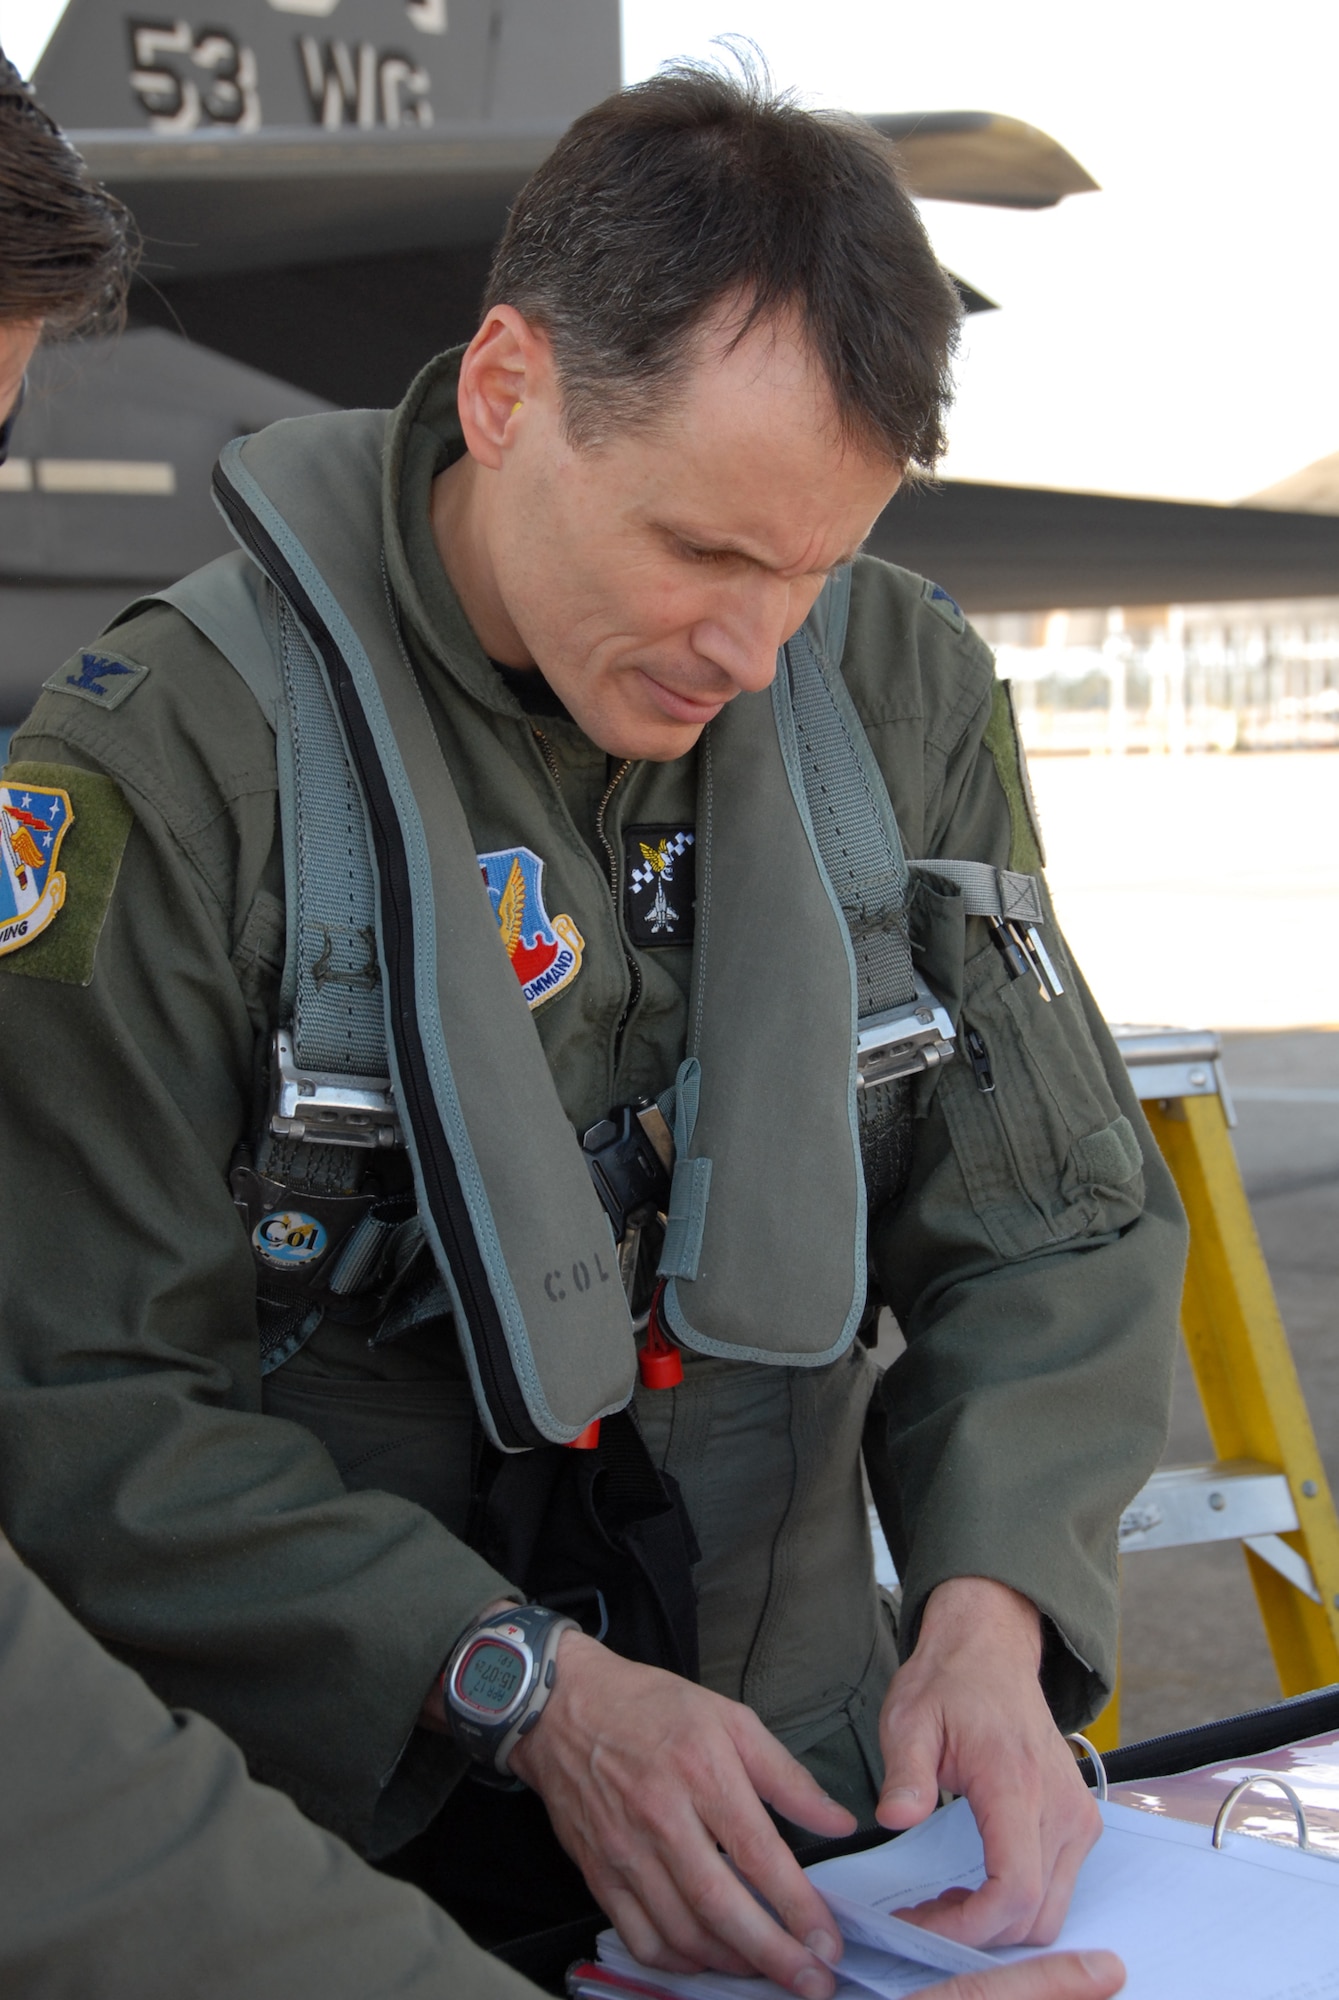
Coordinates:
[784,1783]
[702,1915]
[1067,1975]
[966,1711]
[1035,1836]
[646,1778]
[1046,1925]
[1035,1832]
[660,1930]
[913,1753]
[724,1906]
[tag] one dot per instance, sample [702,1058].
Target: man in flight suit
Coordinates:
[136,1857]
[678,418]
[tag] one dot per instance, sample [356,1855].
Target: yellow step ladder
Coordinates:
[1267,1488]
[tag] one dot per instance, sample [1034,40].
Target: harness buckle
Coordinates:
[902,1041]
[630,1155]
[328,1110]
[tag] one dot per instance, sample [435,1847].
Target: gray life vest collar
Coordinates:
[805,999]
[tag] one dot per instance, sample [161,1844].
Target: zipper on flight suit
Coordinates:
[634,970]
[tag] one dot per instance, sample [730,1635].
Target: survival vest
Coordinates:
[764,1253]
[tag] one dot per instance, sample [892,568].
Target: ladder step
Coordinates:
[1230,1500]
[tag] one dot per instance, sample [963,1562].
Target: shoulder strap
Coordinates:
[902,1027]
[331,991]
[505,1200]
[229,602]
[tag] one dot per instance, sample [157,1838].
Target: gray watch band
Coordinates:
[522,1640]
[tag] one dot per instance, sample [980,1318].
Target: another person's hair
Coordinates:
[694,189]
[65,243]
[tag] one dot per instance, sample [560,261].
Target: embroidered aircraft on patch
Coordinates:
[33,823]
[545,951]
[665,855]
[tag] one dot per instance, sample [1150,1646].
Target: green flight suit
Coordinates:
[139,1862]
[284,1555]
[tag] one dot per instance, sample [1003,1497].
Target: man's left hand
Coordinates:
[966,1712]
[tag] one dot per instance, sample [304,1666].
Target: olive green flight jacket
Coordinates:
[302,1594]
[139,1862]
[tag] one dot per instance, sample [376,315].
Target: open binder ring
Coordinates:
[1094,1758]
[1248,1785]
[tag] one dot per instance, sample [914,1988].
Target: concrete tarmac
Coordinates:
[1192,1643]
[1204,891]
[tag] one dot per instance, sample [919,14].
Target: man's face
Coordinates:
[18,339]
[652,577]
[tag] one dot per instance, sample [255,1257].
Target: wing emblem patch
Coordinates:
[33,823]
[545,952]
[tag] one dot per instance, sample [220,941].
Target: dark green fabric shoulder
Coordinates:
[176,722]
[186,744]
[921,680]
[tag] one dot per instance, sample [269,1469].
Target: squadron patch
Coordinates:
[92,810]
[33,823]
[545,952]
[102,678]
[660,869]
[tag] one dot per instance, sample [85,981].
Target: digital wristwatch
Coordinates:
[499,1678]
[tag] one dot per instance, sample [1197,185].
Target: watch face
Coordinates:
[490,1676]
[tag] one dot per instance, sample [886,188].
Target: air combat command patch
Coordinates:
[33,823]
[545,952]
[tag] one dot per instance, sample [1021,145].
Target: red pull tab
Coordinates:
[660,1363]
[589,1439]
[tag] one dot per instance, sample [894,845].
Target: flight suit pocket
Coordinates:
[1047,1155]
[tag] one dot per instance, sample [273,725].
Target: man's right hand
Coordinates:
[1061,1975]
[646,1778]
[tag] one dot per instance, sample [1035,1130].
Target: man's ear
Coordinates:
[507,364]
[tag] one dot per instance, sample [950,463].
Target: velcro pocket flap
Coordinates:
[1048,1156]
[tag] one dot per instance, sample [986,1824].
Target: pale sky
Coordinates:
[1174,334]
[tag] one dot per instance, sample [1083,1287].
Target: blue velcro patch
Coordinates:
[104,678]
[939,600]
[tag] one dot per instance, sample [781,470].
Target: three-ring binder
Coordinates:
[1248,1784]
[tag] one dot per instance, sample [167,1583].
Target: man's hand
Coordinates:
[1067,1975]
[643,1775]
[966,1712]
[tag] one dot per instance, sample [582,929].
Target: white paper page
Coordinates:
[892,1979]
[866,1928]
[1252,1922]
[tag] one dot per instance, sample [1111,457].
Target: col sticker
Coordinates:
[288,1239]
[33,823]
[545,951]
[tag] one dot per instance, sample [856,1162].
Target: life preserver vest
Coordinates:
[764,1257]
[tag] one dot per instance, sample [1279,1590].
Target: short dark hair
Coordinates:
[683,192]
[65,243]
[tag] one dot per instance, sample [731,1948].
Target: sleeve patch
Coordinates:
[106,679]
[1026,852]
[53,917]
